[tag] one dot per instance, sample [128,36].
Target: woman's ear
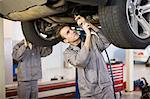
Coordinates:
[65,40]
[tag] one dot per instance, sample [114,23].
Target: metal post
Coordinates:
[2,69]
[130,69]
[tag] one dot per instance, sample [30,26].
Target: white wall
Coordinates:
[8,60]
[2,68]
[7,51]
[52,65]
[12,34]
[118,54]
[115,53]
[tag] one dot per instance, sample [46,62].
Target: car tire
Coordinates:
[32,35]
[115,26]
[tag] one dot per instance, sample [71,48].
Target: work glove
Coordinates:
[27,44]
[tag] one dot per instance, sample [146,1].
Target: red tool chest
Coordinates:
[117,71]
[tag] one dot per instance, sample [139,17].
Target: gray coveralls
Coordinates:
[29,69]
[93,78]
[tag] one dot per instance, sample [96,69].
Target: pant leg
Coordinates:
[107,93]
[24,89]
[34,89]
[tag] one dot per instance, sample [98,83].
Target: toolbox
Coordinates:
[117,71]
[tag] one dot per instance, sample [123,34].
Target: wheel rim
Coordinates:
[138,16]
[43,29]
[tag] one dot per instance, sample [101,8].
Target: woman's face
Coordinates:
[69,35]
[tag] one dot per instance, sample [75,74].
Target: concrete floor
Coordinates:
[142,71]
[130,95]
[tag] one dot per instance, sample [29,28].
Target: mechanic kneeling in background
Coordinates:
[29,67]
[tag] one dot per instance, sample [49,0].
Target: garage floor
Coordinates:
[125,95]
[142,71]
[130,95]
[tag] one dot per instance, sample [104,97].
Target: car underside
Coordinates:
[126,23]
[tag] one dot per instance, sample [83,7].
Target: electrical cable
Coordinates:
[112,77]
[108,62]
[94,33]
[111,72]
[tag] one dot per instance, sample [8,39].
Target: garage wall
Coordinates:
[7,51]
[12,34]
[118,54]
[115,53]
[52,65]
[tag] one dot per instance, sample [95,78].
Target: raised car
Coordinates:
[126,23]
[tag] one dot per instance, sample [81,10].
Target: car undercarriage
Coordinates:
[124,22]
